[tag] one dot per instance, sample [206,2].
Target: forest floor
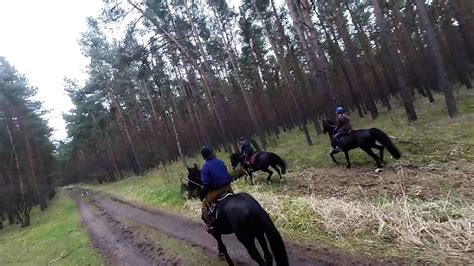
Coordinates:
[55,237]
[420,208]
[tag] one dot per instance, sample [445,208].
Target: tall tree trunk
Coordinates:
[464,14]
[388,43]
[317,62]
[24,208]
[351,52]
[206,74]
[285,74]
[438,59]
[237,73]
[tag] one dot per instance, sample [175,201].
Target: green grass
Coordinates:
[432,138]
[157,188]
[55,237]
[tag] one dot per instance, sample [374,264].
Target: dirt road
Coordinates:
[126,234]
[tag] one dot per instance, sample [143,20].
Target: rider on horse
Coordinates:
[343,128]
[215,181]
[246,150]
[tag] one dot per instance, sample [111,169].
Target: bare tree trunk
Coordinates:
[237,73]
[205,74]
[464,14]
[317,62]
[286,75]
[351,52]
[395,62]
[24,208]
[438,59]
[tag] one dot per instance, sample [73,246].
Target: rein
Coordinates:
[192,182]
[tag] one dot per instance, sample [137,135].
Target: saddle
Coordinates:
[253,159]
[214,208]
[343,138]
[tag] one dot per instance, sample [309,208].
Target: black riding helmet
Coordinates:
[206,152]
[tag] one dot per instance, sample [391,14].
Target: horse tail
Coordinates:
[276,242]
[280,162]
[381,137]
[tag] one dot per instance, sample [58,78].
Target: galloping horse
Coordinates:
[364,139]
[242,215]
[260,161]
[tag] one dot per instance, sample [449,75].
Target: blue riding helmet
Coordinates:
[340,110]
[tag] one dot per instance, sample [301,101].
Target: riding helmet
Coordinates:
[339,110]
[206,152]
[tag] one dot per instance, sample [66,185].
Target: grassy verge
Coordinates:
[420,208]
[54,238]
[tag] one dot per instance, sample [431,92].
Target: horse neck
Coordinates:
[330,130]
[331,135]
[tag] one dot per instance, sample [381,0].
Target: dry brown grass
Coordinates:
[442,225]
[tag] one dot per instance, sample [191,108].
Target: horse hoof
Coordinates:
[221,254]
[378,170]
[348,167]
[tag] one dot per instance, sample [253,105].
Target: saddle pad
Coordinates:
[253,158]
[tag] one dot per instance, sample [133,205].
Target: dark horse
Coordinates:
[192,188]
[260,161]
[363,138]
[242,215]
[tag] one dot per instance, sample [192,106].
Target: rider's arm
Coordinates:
[205,179]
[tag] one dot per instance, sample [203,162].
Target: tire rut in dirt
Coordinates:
[119,243]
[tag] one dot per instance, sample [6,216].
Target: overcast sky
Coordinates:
[39,37]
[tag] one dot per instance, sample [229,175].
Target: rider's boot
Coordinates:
[206,217]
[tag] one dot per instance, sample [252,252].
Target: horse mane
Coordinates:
[328,121]
[235,158]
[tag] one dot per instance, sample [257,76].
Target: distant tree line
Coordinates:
[27,163]
[166,77]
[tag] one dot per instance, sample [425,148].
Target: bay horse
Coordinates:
[243,216]
[260,161]
[364,139]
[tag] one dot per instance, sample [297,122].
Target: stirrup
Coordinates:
[210,229]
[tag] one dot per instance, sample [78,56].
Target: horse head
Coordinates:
[328,126]
[235,159]
[194,174]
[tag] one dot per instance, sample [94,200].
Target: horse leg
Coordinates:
[266,253]
[249,244]
[380,148]
[369,151]
[332,156]
[222,248]
[251,178]
[270,173]
[278,171]
[346,153]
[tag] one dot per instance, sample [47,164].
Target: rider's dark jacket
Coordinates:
[343,124]
[214,175]
[246,148]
